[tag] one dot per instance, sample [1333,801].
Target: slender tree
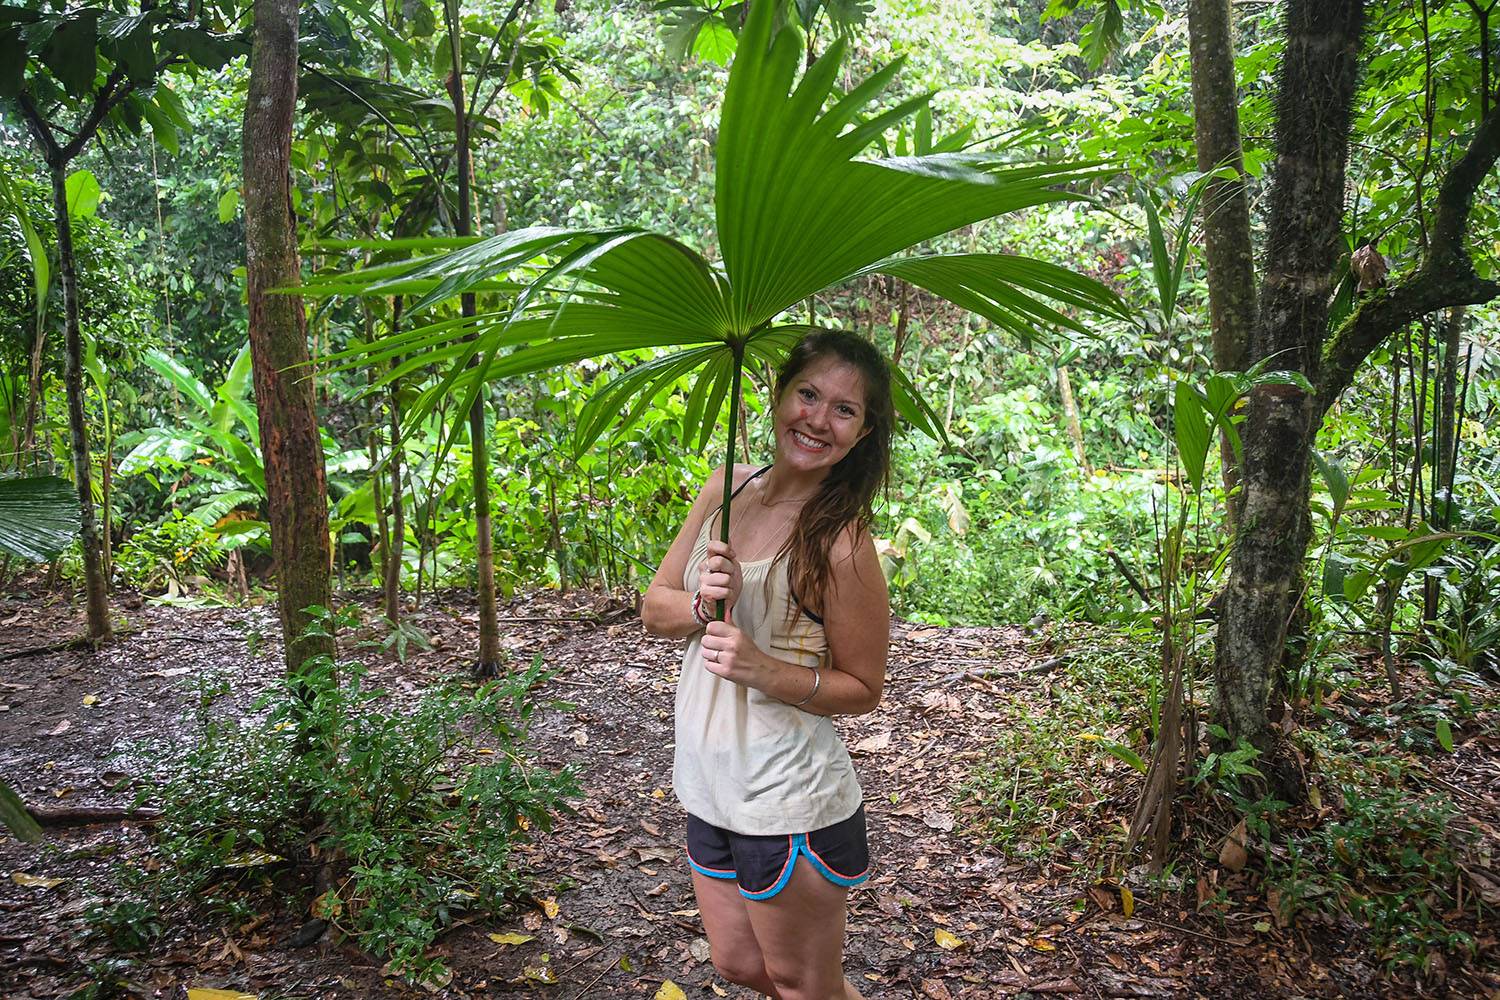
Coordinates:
[71,74]
[487,661]
[292,449]
[1225,205]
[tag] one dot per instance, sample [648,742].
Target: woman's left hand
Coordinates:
[730,653]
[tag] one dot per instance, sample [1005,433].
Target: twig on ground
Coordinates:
[1187,930]
[90,815]
[1045,666]
[590,984]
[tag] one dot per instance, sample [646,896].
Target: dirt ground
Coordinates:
[625,920]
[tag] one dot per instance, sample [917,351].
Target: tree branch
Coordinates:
[38,127]
[1444,278]
[104,102]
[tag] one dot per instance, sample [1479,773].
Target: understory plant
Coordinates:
[396,817]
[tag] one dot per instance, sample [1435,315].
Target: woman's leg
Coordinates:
[731,940]
[800,937]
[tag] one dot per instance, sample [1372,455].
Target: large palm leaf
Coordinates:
[38,517]
[800,207]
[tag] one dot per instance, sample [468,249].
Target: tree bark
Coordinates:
[1314,98]
[296,487]
[1225,206]
[1445,415]
[487,663]
[398,499]
[94,583]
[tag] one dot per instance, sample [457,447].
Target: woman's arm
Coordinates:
[667,609]
[857,613]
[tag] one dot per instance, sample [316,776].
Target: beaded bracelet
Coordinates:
[817,683]
[699,612]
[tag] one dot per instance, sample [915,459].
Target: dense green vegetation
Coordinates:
[1060,463]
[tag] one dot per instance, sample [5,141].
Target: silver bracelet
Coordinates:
[817,683]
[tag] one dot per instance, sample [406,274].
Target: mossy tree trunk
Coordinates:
[292,449]
[1315,95]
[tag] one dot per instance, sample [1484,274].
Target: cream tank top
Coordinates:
[745,761]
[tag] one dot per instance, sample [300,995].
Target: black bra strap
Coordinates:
[754,475]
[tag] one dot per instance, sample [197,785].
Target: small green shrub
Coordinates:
[414,809]
[175,548]
[1389,861]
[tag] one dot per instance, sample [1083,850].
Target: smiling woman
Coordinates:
[775,826]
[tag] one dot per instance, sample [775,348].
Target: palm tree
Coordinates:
[800,207]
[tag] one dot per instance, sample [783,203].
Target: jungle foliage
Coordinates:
[1005,198]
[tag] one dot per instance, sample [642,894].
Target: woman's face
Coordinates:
[821,415]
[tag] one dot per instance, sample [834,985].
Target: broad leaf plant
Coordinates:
[802,204]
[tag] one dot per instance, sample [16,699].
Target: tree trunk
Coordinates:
[377,486]
[1228,251]
[487,663]
[1315,93]
[1445,414]
[94,583]
[296,488]
[1070,416]
[398,499]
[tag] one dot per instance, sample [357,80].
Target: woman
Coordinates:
[776,830]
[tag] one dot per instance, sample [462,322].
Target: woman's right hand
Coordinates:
[719,576]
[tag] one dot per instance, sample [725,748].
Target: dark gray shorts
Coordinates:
[762,865]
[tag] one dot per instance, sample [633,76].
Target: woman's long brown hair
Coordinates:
[847,496]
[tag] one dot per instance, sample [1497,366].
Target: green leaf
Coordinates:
[127,39]
[83,194]
[1007,290]
[1190,427]
[187,383]
[715,42]
[1123,753]
[71,52]
[1444,733]
[41,267]
[816,212]
[38,517]
[163,130]
[12,63]
[229,205]
[1335,478]
[14,815]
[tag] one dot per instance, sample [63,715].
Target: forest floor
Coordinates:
[948,915]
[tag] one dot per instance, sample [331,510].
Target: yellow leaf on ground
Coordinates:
[197,994]
[328,906]
[657,793]
[539,974]
[252,859]
[1042,944]
[1127,901]
[34,881]
[90,700]
[550,907]
[1233,854]
[670,991]
[946,940]
[511,937]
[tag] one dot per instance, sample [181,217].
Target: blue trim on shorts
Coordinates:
[710,872]
[799,846]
